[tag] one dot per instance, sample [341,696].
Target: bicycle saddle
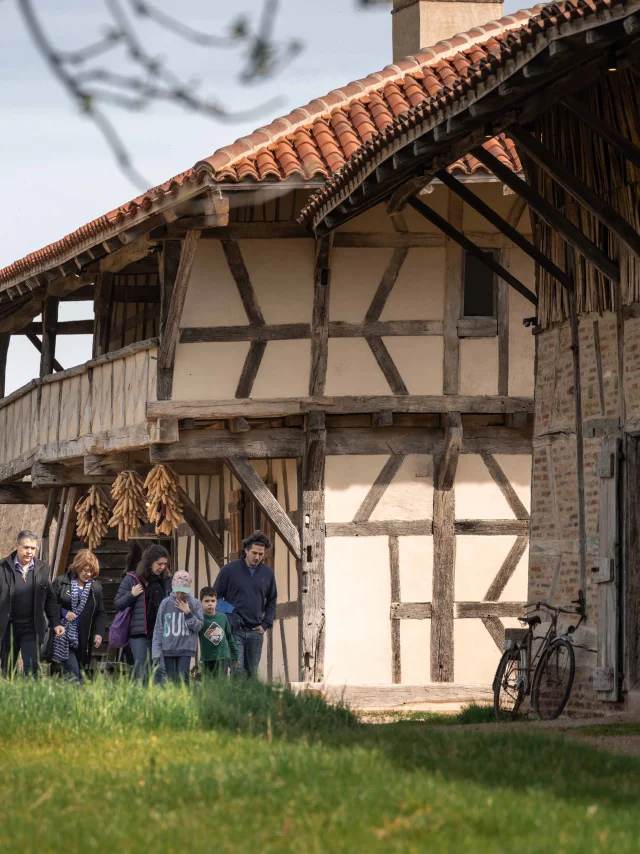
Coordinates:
[532,621]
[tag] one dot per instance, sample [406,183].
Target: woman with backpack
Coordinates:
[143,591]
[83,615]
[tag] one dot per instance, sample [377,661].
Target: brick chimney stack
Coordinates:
[422,23]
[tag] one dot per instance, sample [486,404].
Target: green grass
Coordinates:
[234,766]
[472,713]
[610,729]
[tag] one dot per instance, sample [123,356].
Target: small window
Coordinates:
[479,288]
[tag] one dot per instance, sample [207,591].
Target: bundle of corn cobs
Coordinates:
[165,505]
[130,509]
[93,515]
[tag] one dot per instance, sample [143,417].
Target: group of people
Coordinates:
[64,621]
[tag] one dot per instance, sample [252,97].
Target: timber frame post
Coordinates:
[173,292]
[102,310]
[5,340]
[49,329]
[312,537]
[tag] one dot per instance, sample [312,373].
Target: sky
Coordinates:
[56,171]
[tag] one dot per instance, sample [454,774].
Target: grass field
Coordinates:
[114,767]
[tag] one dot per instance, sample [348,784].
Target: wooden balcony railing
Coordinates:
[46,416]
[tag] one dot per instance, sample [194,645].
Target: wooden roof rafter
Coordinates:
[550,67]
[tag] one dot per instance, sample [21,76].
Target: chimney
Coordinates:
[422,23]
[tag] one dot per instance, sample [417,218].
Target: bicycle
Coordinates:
[553,665]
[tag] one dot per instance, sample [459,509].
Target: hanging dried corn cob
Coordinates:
[130,509]
[165,506]
[93,514]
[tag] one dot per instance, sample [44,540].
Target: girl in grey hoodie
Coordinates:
[175,636]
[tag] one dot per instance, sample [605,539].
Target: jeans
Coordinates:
[72,667]
[141,651]
[215,669]
[20,638]
[249,643]
[177,667]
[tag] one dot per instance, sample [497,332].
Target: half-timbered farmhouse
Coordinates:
[365,394]
[563,88]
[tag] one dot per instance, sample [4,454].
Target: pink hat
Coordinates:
[182,582]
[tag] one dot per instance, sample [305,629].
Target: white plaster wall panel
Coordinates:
[410,493]
[478,560]
[419,361]
[436,200]
[479,366]
[375,219]
[284,370]
[355,276]
[212,296]
[517,468]
[347,482]
[418,293]
[352,369]
[415,651]
[491,193]
[517,587]
[476,655]
[281,273]
[521,341]
[357,593]
[208,371]
[477,495]
[416,569]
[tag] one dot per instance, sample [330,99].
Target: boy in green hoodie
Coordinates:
[217,643]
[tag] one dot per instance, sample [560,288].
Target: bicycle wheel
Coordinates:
[508,692]
[553,680]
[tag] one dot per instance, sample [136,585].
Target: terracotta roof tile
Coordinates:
[316,139]
[449,70]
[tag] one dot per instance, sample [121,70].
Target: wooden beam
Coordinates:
[385,287]
[390,528]
[5,340]
[279,407]
[54,475]
[242,279]
[604,129]
[312,537]
[37,343]
[202,529]
[64,327]
[509,566]
[250,369]
[599,207]
[52,506]
[394,573]
[453,280]
[387,365]
[475,202]
[67,528]
[49,329]
[371,500]
[320,319]
[169,337]
[23,493]
[472,249]
[253,483]
[503,328]
[546,211]
[502,482]
[102,310]
[410,610]
[478,610]
[299,331]
[448,462]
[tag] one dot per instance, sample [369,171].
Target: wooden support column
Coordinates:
[312,535]
[444,554]
[5,339]
[503,329]
[174,293]
[37,343]
[320,320]
[52,505]
[102,311]
[453,273]
[66,528]
[201,527]
[49,330]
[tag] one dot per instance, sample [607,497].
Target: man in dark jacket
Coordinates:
[250,586]
[27,605]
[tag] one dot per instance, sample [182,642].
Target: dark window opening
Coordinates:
[479,288]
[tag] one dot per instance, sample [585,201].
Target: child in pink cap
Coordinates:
[175,636]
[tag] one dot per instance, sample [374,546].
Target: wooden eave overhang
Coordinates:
[563,50]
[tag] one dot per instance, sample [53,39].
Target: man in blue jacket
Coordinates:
[250,586]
